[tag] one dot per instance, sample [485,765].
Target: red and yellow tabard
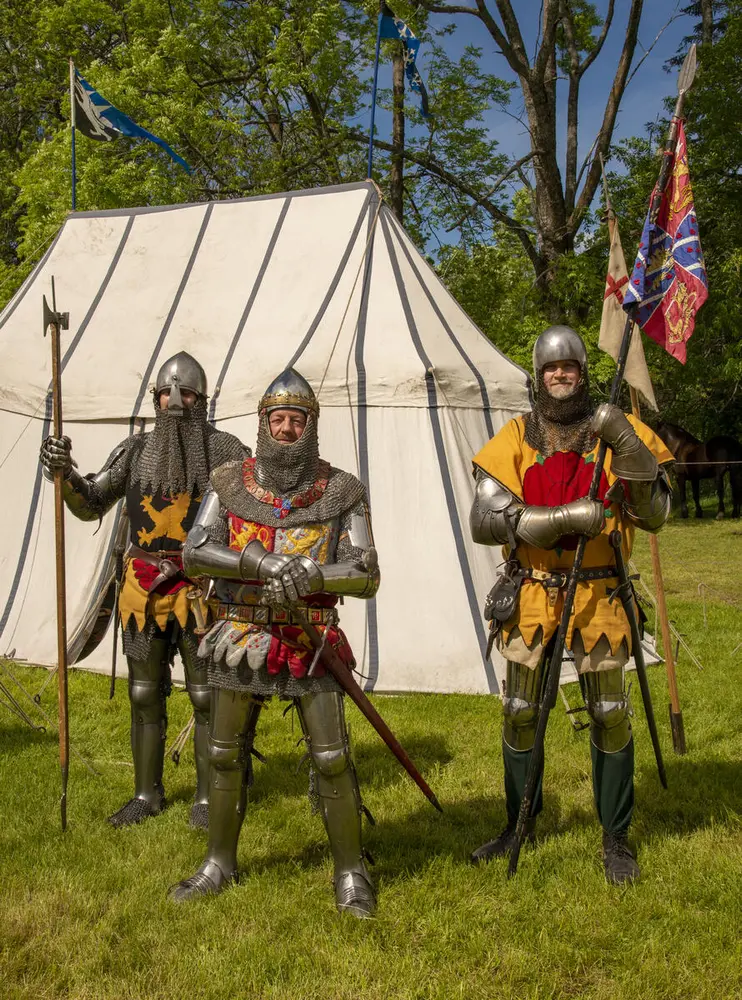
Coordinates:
[289,647]
[159,524]
[549,482]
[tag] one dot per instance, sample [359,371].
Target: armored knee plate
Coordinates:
[608,708]
[200,695]
[147,702]
[520,705]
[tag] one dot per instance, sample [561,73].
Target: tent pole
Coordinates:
[373,98]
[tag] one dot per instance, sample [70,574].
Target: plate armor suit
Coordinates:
[283,535]
[162,475]
[532,481]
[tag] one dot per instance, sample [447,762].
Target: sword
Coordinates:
[337,669]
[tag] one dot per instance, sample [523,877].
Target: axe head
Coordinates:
[59,319]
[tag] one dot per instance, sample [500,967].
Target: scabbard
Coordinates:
[626,593]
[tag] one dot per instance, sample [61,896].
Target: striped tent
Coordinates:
[323,280]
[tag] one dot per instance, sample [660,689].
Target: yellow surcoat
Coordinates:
[507,457]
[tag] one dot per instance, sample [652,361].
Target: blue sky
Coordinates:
[642,101]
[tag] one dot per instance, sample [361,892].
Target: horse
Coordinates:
[695,460]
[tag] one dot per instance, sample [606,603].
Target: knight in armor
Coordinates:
[284,535]
[532,482]
[162,475]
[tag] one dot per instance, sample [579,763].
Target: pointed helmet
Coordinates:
[181,372]
[289,390]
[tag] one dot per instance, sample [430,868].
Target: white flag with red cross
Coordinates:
[614,319]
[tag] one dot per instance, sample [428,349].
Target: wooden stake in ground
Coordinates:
[676,715]
[56,321]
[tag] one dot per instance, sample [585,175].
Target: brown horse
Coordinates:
[696,461]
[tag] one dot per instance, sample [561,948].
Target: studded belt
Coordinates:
[258,614]
[554,582]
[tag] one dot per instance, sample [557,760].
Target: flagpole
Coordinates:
[72,126]
[373,95]
[676,715]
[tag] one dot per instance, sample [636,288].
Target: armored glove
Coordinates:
[632,460]
[298,577]
[56,453]
[544,526]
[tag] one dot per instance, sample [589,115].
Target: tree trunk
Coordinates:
[396,175]
[707,21]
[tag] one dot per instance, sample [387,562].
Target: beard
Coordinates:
[561,422]
[283,467]
[175,456]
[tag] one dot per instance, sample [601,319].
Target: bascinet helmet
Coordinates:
[180,372]
[558,343]
[289,390]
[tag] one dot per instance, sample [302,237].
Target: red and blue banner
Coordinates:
[668,284]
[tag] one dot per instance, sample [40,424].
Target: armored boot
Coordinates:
[520,709]
[323,723]
[234,714]
[612,752]
[148,730]
[199,692]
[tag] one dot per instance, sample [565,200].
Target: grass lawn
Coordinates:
[85,914]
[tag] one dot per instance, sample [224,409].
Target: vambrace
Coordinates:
[90,497]
[494,512]
[647,504]
[82,497]
[202,556]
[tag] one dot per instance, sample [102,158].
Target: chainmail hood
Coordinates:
[287,468]
[561,424]
[179,454]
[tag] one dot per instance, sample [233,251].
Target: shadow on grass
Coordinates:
[284,774]
[18,737]
[700,793]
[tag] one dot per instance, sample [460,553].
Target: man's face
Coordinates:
[561,378]
[287,425]
[188,397]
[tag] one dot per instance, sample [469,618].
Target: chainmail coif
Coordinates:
[561,424]
[179,453]
[287,468]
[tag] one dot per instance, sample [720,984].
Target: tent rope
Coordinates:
[23,431]
[352,293]
[30,256]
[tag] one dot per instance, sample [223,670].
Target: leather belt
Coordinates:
[168,569]
[554,582]
[259,614]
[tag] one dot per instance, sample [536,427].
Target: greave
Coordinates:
[227,803]
[201,752]
[323,722]
[148,729]
[233,721]
[148,753]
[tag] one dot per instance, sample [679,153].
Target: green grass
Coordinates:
[85,914]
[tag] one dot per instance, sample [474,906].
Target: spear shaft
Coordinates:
[55,321]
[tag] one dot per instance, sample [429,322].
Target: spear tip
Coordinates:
[687,71]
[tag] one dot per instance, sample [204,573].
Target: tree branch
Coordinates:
[438,170]
[605,133]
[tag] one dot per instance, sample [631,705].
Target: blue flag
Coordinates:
[394,27]
[97,119]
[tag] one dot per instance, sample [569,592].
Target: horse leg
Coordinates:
[682,479]
[721,511]
[695,485]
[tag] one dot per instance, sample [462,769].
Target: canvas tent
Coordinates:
[324,280]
